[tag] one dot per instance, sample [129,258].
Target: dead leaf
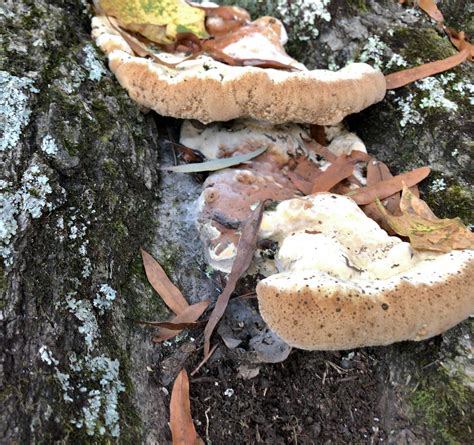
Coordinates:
[245,250]
[230,18]
[188,154]
[340,169]
[184,319]
[404,77]
[318,133]
[157,20]
[215,164]
[377,172]
[429,6]
[140,48]
[300,183]
[182,427]
[411,204]
[458,39]
[384,189]
[424,230]
[157,277]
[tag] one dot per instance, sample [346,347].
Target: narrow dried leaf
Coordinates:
[318,133]
[429,6]
[377,172]
[300,183]
[185,319]
[340,169]
[157,277]
[245,250]
[182,427]
[321,150]
[216,164]
[424,230]
[458,39]
[387,188]
[404,77]
[158,20]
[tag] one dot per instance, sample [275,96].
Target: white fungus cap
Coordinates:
[345,283]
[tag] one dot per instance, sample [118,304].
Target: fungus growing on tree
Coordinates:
[344,283]
[211,90]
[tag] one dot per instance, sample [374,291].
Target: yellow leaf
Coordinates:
[157,20]
[424,230]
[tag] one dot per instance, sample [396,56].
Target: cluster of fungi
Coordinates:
[335,277]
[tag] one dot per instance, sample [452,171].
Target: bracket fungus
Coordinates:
[209,90]
[343,282]
[229,195]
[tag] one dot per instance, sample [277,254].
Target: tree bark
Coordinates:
[81,191]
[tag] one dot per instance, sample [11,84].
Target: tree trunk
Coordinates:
[80,192]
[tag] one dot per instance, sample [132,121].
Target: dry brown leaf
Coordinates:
[340,169]
[429,6]
[424,230]
[182,427]
[300,183]
[186,318]
[157,277]
[404,77]
[387,188]
[377,172]
[245,250]
[458,39]
[318,133]
[412,205]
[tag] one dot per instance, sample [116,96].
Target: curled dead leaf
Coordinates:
[424,230]
[157,20]
[430,7]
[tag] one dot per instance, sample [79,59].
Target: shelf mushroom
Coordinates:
[210,91]
[344,283]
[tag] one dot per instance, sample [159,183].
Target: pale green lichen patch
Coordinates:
[93,64]
[104,299]
[378,53]
[303,15]
[94,381]
[30,199]
[14,110]
[48,145]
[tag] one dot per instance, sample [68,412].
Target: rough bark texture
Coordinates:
[80,192]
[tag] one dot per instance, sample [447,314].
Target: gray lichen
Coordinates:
[93,64]
[30,199]
[14,110]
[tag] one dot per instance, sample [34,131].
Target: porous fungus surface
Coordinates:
[345,283]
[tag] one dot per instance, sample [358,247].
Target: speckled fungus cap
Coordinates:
[211,91]
[344,283]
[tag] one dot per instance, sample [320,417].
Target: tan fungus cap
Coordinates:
[210,91]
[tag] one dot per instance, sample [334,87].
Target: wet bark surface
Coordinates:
[81,191]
